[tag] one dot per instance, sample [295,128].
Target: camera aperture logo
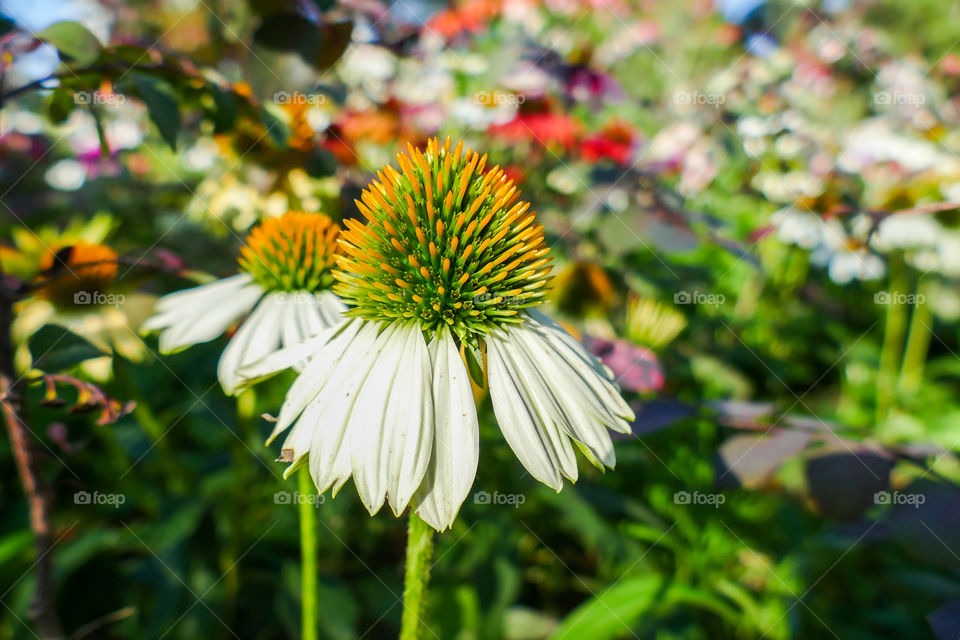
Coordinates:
[699,298]
[713,499]
[86,497]
[295,497]
[497,498]
[98,298]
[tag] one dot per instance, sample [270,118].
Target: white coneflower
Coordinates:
[446,268]
[284,288]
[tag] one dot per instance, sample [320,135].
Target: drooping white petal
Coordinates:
[258,336]
[412,423]
[288,356]
[347,345]
[391,423]
[327,417]
[321,429]
[587,367]
[330,307]
[456,443]
[540,401]
[519,427]
[571,405]
[188,298]
[204,313]
[301,319]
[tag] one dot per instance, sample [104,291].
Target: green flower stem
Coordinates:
[308,554]
[419,555]
[918,342]
[895,326]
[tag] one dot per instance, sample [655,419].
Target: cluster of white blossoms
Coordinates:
[439,285]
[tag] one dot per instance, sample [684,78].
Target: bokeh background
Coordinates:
[749,208]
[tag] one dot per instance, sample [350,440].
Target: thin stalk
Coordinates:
[895,326]
[918,343]
[419,555]
[308,554]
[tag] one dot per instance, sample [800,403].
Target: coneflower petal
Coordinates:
[351,342]
[518,425]
[541,401]
[391,422]
[605,400]
[258,336]
[201,295]
[573,408]
[537,397]
[203,315]
[456,445]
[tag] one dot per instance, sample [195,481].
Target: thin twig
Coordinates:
[38,494]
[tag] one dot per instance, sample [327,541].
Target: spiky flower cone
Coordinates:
[445,242]
[292,253]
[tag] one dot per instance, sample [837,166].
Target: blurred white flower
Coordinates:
[66,175]
[906,232]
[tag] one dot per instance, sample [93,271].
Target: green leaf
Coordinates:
[474,368]
[55,349]
[224,112]
[277,130]
[321,164]
[320,45]
[62,103]
[612,613]
[6,25]
[73,41]
[161,100]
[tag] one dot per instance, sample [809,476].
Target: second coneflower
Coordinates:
[284,287]
[443,276]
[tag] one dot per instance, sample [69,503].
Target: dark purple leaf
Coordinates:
[659,414]
[845,483]
[925,520]
[945,621]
